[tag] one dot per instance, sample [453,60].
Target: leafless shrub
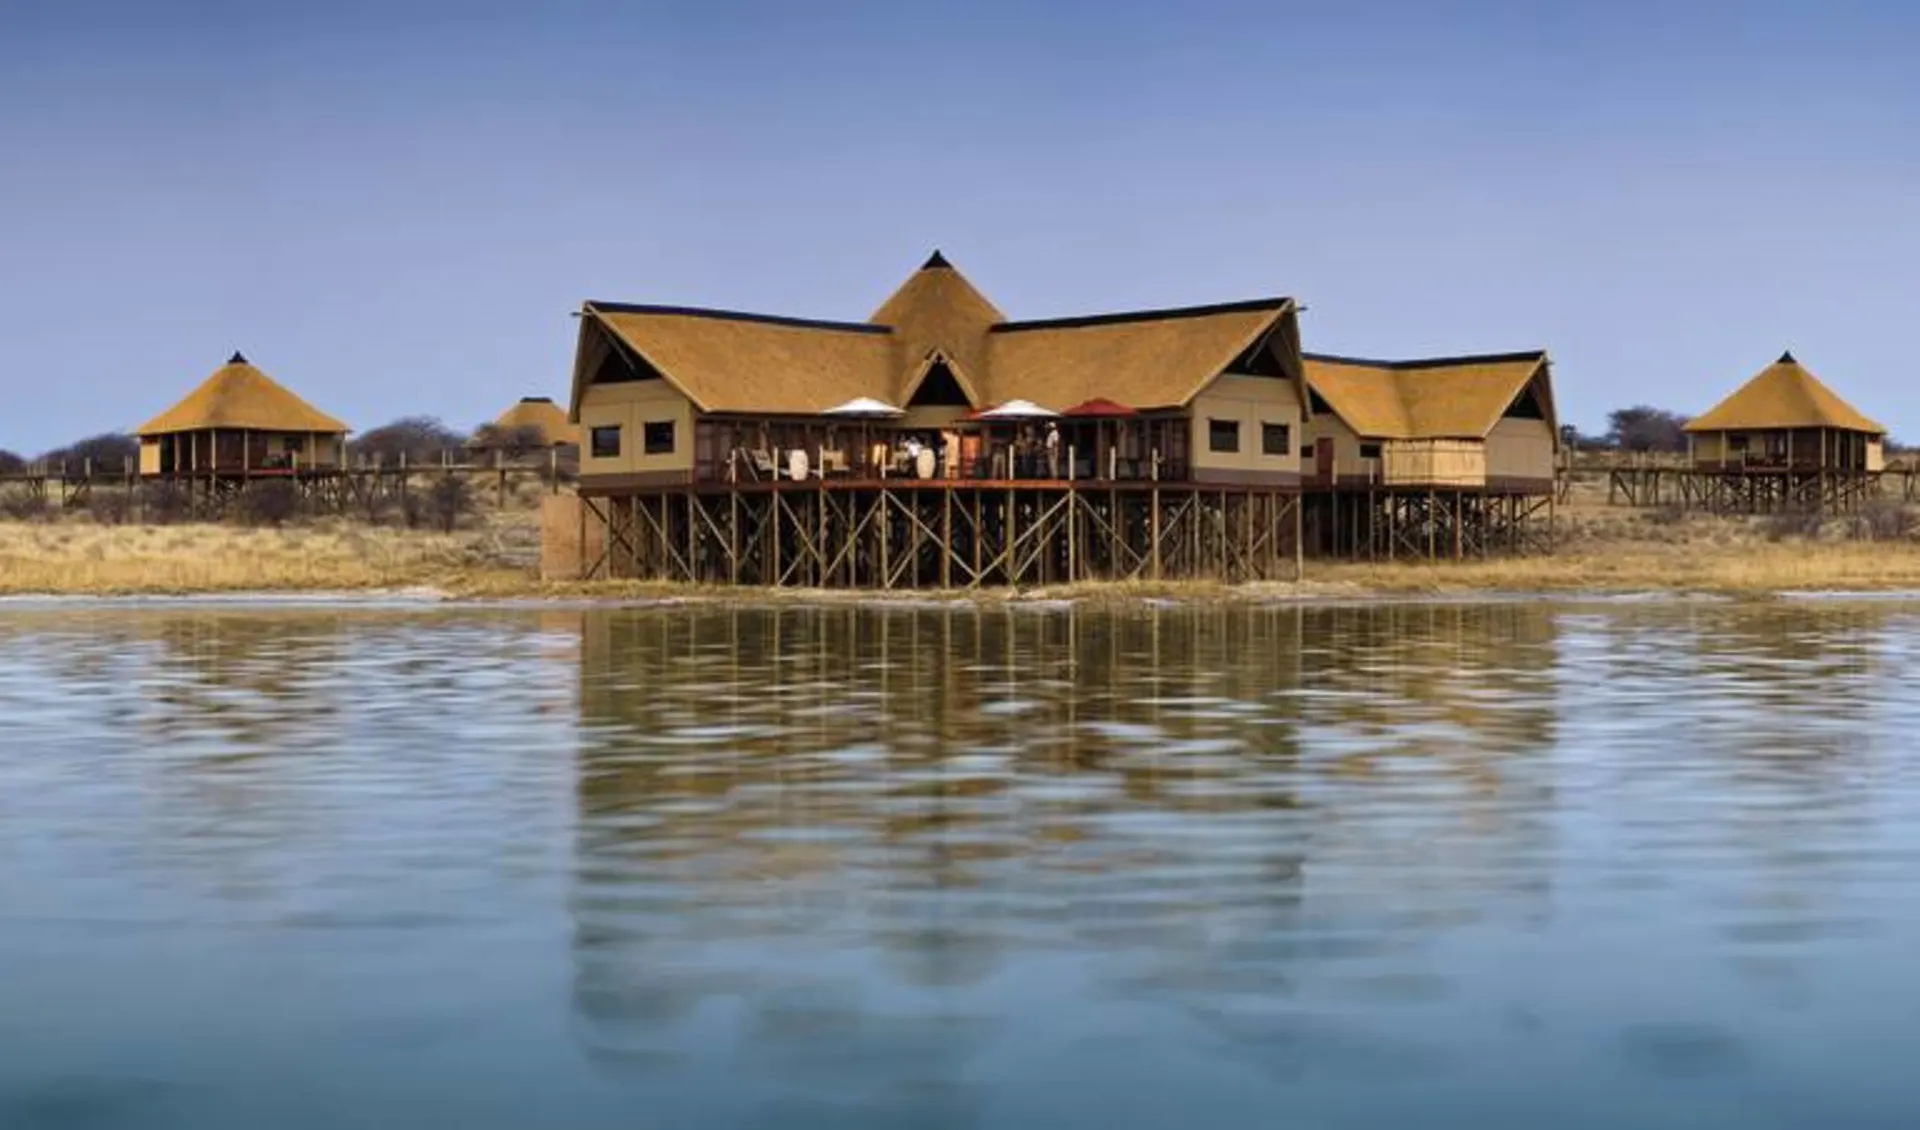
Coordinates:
[1883,519]
[165,503]
[268,503]
[1791,525]
[109,507]
[24,506]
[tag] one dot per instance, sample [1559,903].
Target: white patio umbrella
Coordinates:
[866,406]
[1018,410]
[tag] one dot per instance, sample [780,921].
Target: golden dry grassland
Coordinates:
[1601,550]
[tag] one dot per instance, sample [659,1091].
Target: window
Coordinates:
[1223,435]
[1275,439]
[1369,451]
[603,442]
[1306,451]
[1737,443]
[659,437]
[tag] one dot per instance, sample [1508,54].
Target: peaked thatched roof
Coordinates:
[726,361]
[1144,360]
[937,311]
[1784,395]
[1436,398]
[541,413]
[238,395]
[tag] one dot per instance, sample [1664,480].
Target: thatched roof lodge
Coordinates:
[1215,394]
[1785,419]
[538,418]
[1482,421]
[238,422]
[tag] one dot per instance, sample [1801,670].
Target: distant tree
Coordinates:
[11,464]
[1573,439]
[423,439]
[108,450]
[1642,428]
[513,443]
[444,504]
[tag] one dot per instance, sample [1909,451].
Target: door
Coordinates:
[1323,459]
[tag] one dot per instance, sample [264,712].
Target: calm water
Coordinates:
[1496,865]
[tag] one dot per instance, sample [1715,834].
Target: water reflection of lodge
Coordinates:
[946,786]
[941,444]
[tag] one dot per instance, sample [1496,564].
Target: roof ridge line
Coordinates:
[737,316]
[1245,306]
[1428,362]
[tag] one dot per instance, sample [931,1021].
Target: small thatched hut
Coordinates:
[535,421]
[1783,420]
[240,422]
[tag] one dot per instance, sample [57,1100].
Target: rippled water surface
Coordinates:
[1489,865]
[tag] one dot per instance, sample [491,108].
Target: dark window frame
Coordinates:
[650,444]
[1370,450]
[1216,430]
[1276,439]
[596,449]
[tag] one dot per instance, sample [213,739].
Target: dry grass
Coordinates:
[80,558]
[1602,550]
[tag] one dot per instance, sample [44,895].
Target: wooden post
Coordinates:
[1154,516]
[885,530]
[733,535]
[946,537]
[1299,538]
[1073,504]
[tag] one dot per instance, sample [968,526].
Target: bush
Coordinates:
[109,507]
[269,503]
[165,503]
[443,505]
[23,505]
[1797,525]
[11,464]
[1883,519]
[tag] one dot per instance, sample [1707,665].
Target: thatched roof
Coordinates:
[238,395]
[1145,360]
[1785,395]
[1435,398]
[726,361]
[542,414]
[938,312]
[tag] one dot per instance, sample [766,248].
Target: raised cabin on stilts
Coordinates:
[940,444]
[238,427]
[1783,442]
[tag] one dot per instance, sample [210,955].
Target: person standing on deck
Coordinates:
[1053,452]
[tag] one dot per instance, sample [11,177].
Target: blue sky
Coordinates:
[393,207]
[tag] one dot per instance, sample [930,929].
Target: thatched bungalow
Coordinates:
[1785,420]
[240,422]
[670,394]
[537,420]
[1479,422]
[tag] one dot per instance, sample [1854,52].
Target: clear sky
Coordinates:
[393,207]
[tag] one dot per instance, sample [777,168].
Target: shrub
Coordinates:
[23,505]
[449,500]
[1883,519]
[269,503]
[165,503]
[109,507]
[11,464]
